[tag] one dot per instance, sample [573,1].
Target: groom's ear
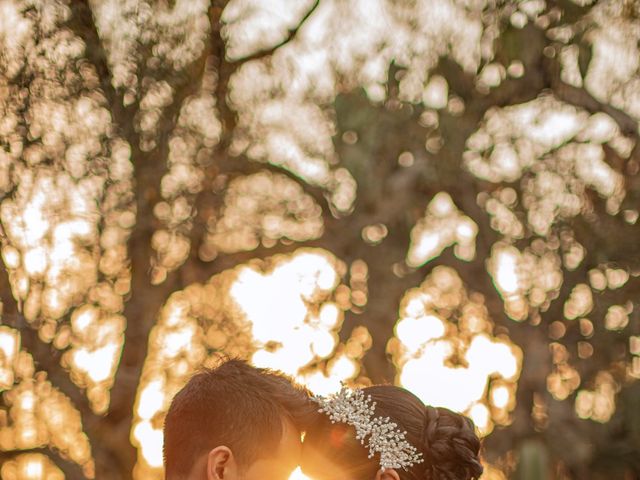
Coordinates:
[388,474]
[221,464]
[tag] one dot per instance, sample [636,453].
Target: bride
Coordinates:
[387,433]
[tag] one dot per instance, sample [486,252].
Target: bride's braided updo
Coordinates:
[450,446]
[447,440]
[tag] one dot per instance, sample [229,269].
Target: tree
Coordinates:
[399,181]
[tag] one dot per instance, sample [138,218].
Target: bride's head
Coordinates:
[445,442]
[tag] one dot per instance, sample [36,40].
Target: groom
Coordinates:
[236,422]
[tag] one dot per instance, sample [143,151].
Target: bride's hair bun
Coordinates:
[450,446]
[447,441]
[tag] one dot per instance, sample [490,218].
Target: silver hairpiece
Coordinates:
[384,437]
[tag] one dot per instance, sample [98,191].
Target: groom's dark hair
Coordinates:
[236,405]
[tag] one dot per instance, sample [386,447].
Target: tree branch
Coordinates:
[290,35]
[580,97]
[146,300]
[82,24]
[243,166]
[9,304]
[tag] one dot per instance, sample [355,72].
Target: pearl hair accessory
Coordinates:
[353,408]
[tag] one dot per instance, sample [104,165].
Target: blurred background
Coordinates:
[441,194]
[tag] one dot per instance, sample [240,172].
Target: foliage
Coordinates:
[441,193]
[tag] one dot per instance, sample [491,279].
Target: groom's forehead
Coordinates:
[281,461]
[290,442]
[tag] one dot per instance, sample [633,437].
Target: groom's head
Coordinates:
[235,422]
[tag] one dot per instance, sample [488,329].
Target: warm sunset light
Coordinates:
[282,314]
[298,475]
[442,195]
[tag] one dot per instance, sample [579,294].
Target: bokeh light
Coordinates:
[36,414]
[446,352]
[442,226]
[181,139]
[598,404]
[528,279]
[279,313]
[30,466]
[556,151]
[71,211]
[261,209]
